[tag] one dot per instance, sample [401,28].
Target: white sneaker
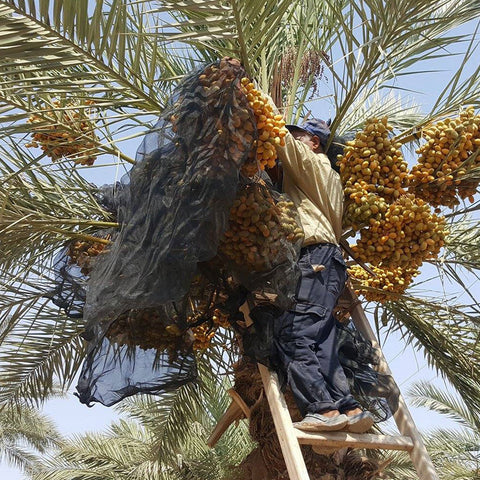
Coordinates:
[315,422]
[360,422]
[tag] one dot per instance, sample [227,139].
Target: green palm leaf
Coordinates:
[49,55]
[454,451]
[463,245]
[64,57]
[424,394]
[448,337]
[42,207]
[378,41]
[237,28]
[24,433]
[40,349]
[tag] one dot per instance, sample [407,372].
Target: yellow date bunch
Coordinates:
[155,328]
[66,131]
[389,283]
[363,206]
[83,252]
[450,152]
[211,118]
[204,333]
[407,235]
[205,316]
[374,159]
[397,230]
[145,328]
[261,231]
[270,130]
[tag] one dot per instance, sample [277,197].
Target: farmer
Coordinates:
[305,349]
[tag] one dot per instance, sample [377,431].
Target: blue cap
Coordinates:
[314,126]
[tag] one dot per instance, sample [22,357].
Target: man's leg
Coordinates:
[296,358]
[299,330]
[329,366]
[297,361]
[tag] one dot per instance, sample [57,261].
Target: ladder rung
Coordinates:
[357,440]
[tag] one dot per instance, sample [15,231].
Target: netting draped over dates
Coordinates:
[174,205]
[172,208]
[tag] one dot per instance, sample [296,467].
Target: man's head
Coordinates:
[315,133]
[309,130]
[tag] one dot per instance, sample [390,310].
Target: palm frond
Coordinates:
[40,346]
[401,115]
[462,89]
[454,451]
[447,335]
[164,439]
[251,31]
[459,262]
[32,367]
[123,448]
[58,49]
[426,395]
[21,422]
[17,456]
[377,41]
[52,67]
[24,433]
[462,243]
[42,207]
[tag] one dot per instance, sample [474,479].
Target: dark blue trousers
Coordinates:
[305,346]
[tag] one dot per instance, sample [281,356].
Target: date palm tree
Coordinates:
[99,73]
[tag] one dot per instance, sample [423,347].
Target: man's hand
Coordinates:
[234,62]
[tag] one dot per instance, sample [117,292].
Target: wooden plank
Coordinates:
[292,454]
[419,455]
[233,413]
[240,402]
[355,440]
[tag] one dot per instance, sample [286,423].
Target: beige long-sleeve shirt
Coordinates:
[316,190]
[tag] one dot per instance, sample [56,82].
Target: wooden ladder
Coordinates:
[291,438]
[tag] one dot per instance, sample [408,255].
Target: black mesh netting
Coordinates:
[69,292]
[71,269]
[159,290]
[377,392]
[173,207]
[174,204]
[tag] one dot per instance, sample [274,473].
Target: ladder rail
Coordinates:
[297,470]
[404,420]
